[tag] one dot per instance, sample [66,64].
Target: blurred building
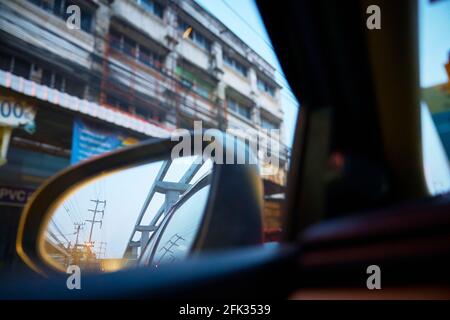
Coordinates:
[136,68]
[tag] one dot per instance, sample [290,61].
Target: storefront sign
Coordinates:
[89,108]
[15,113]
[14,196]
[89,140]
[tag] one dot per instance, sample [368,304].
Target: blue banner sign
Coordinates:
[89,140]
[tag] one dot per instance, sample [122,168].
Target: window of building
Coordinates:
[44,76]
[434,64]
[186,83]
[194,35]
[59,9]
[128,46]
[268,124]
[202,91]
[47,5]
[149,57]
[74,88]
[116,102]
[56,81]
[152,6]
[238,108]
[21,67]
[194,82]
[5,61]
[235,65]
[47,78]
[86,22]
[144,113]
[52,80]
[200,88]
[115,39]
[265,87]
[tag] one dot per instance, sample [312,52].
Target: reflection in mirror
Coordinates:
[145,215]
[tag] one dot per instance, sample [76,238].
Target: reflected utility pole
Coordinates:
[94,212]
[102,249]
[78,228]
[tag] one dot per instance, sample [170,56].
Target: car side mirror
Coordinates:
[145,206]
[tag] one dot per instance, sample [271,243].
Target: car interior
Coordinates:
[356,194]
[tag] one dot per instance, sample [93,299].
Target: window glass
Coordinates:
[194,35]
[153,6]
[265,87]
[129,46]
[234,64]
[150,58]
[268,124]
[59,9]
[434,45]
[5,61]
[238,108]
[22,67]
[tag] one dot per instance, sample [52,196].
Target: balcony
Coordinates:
[43,30]
[271,105]
[144,21]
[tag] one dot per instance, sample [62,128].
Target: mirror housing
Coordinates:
[233,212]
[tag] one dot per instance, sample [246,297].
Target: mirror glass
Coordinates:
[146,215]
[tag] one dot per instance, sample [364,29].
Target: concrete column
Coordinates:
[254,95]
[100,31]
[221,88]
[170,18]
[216,63]
[256,115]
[253,81]
[221,97]
[101,26]
[171,61]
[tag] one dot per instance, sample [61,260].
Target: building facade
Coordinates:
[137,67]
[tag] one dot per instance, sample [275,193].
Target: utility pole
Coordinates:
[94,213]
[78,228]
[102,249]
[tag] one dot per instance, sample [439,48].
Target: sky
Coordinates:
[233,13]
[434,52]
[434,41]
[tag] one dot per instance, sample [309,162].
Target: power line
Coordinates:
[94,214]
[101,251]
[80,221]
[78,228]
[68,213]
[59,231]
[146,81]
[248,25]
[293,98]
